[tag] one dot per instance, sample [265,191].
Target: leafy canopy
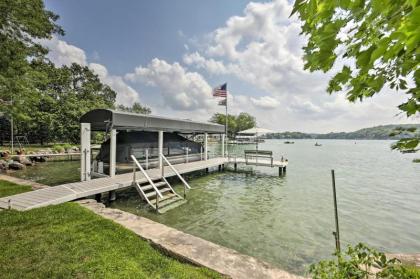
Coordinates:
[45,102]
[237,123]
[376,40]
[135,108]
[361,262]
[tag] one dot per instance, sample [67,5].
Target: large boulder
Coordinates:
[3,165]
[5,154]
[24,160]
[16,166]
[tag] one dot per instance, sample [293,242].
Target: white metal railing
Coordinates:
[175,171]
[135,162]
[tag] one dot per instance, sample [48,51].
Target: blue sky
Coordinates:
[169,54]
[134,32]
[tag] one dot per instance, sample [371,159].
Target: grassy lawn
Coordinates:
[9,188]
[413,272]
[67,241]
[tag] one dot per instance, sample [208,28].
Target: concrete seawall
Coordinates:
[189,248]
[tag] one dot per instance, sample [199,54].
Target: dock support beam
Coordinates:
[85,152]
[205,147]
[282,171]
[112,152]
[160,147]
[112,196]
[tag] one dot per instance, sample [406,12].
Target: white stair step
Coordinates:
[149,187]
[153,193]
[165,197]
[172,205]
[169,201]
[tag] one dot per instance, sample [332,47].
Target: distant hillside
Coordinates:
[378,132]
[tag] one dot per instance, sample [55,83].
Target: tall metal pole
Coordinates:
[337,230]
[12,127]
[226,121]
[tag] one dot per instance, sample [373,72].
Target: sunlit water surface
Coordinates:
[288,221]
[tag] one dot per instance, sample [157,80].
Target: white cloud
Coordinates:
[263,48]
[61,53]
[210,65]
[181,90]
[126,95]
[265,102]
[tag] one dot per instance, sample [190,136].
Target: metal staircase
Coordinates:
[158,193]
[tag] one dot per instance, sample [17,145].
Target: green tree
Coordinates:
[235,123]
[245,121]
[136,108]
[22,23]
[61,97]
[377,41]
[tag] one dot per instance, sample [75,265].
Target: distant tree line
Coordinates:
[379,132]
[236,123]
[45,101]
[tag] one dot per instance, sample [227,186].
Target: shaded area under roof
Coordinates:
[104,119]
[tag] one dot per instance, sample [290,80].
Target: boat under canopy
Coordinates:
[143,144]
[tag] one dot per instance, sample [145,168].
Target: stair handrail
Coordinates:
[145,175]
[175,171]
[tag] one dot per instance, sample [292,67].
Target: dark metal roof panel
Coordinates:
[103,119]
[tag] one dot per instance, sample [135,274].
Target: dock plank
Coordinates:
[71,191]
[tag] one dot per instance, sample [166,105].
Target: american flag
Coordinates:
[220,91]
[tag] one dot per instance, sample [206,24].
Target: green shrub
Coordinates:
[67,146]
[58,148]
[360,262]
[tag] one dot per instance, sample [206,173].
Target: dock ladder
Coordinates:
[158,193]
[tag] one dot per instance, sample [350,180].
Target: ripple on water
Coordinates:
[288,221]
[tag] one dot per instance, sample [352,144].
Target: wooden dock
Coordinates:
[77,190]
[72,191]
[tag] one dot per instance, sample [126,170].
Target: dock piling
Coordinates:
[112,196]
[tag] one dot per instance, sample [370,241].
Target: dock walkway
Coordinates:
[72,191]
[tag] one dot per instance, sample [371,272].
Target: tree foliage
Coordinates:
[22,23]
[360,262]
[237,123]
[135,108]
[45,102]
[376,40]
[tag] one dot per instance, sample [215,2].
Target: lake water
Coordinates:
[288,221]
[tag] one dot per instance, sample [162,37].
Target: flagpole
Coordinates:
[226,121]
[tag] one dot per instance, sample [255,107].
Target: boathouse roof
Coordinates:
[104,119]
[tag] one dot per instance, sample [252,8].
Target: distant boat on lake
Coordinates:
[289,142]
[318,144]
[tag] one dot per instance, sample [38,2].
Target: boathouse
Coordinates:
[145,137]
[164,138]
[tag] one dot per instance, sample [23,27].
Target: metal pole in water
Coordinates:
[337,230]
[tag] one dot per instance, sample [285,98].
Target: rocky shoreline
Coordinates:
[21,160]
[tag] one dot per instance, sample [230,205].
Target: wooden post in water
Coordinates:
[337,230]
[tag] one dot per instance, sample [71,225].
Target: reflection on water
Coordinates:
[288,221]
